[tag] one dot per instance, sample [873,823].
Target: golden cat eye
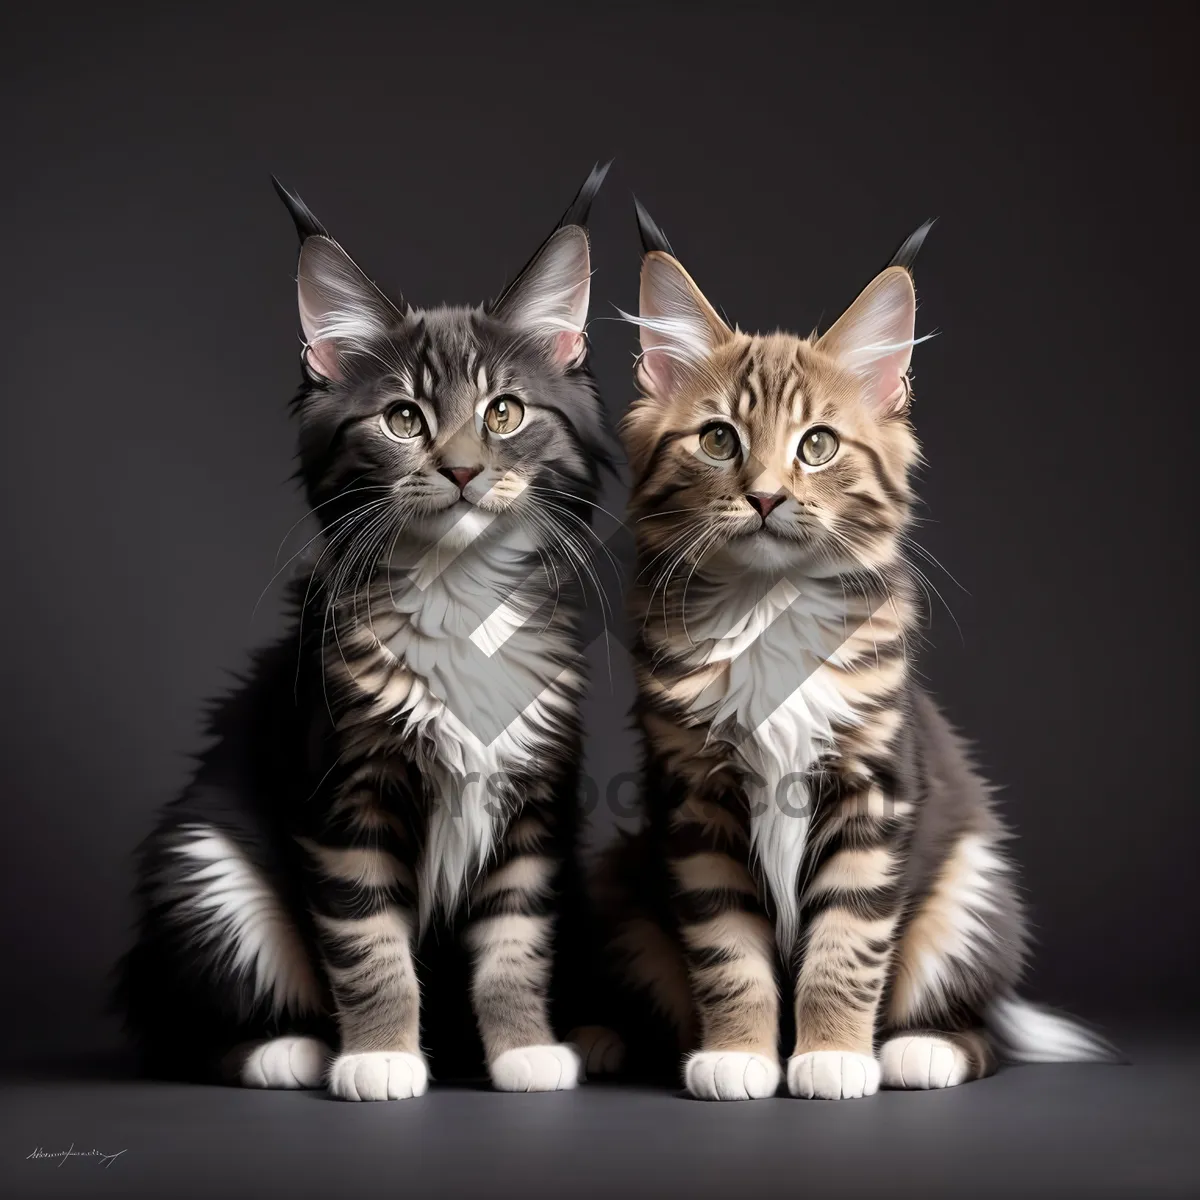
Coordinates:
[719,441]
[404,422]
[504,414]
[818,446]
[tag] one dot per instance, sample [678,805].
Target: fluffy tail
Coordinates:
[1028,1033]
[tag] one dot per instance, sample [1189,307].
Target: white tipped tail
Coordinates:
[1029,1033]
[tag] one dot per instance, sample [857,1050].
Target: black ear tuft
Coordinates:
[306,224]
[906,255]
[581,206]
[652,236]
[576,214]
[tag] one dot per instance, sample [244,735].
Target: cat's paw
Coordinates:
[730,1075]
[378,1075]
[282,1062]
[536,1069]
[601,1049]
[923,1062]
[832,1075]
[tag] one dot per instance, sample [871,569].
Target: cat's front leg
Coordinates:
[849,911]
[510,939]
[362,889]
[729,947]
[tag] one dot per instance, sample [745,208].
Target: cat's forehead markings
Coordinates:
[754,390]
[481,379]
[794,400]
[754,385]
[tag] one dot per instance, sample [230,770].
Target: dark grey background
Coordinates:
[150,348]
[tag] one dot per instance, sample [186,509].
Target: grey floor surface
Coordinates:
[1125,1131]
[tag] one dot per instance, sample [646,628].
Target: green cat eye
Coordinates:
[719,441]
[404,421]
[504,414]
[818,446]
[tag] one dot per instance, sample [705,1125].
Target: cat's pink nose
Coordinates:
[763,504]
[460,475]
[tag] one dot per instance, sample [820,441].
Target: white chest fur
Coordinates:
[486,692]
[780,706]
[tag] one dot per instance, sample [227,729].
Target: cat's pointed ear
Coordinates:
[341,310]
[874,338]
[679,328]
[548,300]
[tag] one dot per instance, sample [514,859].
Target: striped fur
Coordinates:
[387,819]
[811,821]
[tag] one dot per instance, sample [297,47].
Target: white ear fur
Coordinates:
[679,328]
[340,308]
[550,299]
[874,338]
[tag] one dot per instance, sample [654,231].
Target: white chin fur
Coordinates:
[762,554]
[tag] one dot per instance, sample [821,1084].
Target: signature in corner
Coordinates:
[61,1156]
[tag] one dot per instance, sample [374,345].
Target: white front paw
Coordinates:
[284,1062]
[832,1075]
[923,1062]
[536,1069]
[730,1075]
[601,1049]
[378,1075]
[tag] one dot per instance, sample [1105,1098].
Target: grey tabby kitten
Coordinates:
[389,811]
[812,823]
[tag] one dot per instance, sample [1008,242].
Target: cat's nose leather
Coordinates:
[459,475]
[763,502]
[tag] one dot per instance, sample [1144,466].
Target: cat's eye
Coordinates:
[719,441]
[818,446]
[404,422]
[504,414]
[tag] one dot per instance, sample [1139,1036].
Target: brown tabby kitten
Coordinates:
[809,814]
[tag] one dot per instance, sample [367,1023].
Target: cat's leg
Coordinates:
[849,912]
[961,946]
[729,950]
[647,996]
[510,938]
[646,966]
[220,960]
[363,896]
[582,999]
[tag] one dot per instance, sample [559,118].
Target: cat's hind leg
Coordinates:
[220,984]
[962,946]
